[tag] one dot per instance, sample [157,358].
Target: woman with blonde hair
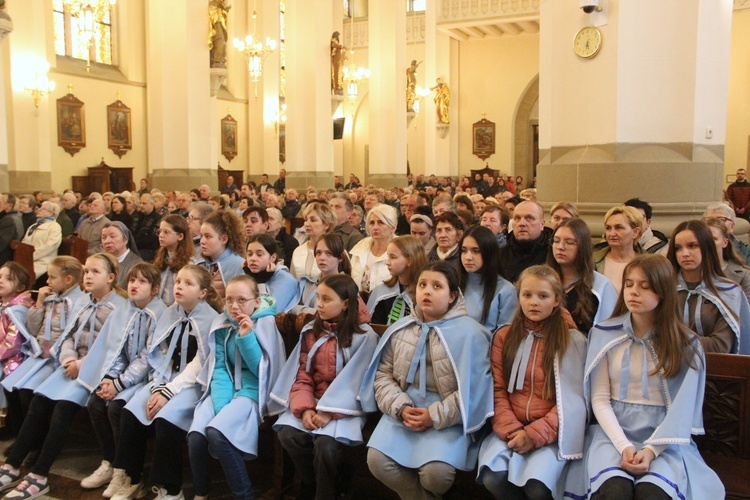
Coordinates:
[623,226]
[369,257]
[319,219]
[561,211]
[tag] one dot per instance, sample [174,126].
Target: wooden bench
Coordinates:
[23,254]
[726,419]
[75,247]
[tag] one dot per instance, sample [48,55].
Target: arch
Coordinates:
[525,120]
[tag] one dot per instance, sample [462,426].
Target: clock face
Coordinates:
[587,42]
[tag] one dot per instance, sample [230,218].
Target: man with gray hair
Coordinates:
[91,229]
[726,214]
[286,243]
[342,206]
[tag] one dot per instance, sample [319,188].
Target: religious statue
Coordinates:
[411,85]
[442,101]
[217,32]
[338,57]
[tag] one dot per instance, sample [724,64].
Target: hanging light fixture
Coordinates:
[255,52]
[86,13]
[353,74]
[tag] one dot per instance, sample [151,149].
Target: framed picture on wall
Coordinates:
[71,123]
[483,137]
[119,135]
[229,137]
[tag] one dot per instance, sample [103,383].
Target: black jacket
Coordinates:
[517,256]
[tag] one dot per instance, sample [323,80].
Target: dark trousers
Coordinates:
[498,484]
[105,418]
[36,434]
[620,488]
[166,469]
[318,459]
[230,457]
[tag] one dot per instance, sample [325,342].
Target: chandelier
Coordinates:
[255,52]
[354,75]
[87,12]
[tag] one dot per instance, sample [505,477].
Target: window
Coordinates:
[70,39]
[416,5]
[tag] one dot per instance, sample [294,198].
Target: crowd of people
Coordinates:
[517,344]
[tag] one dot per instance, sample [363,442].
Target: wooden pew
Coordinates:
[75,247]
[726,419]
[23,254]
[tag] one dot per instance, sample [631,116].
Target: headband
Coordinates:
[421,218]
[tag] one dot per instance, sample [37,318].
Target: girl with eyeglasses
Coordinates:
[174,253]
[589,296]
[247,356]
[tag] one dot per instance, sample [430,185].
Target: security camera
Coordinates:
[589,6]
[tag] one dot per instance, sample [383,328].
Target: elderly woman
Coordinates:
[117,240]
[449,229]
[319,218]
[622,229]
[45,235]
[369,258]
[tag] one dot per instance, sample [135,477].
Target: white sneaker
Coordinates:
[118,479]
[161,494]
[128,490]
[99,477]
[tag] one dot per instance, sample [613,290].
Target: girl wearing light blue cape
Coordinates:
[394,299]
[331,258]
[221,248]
[59,397]
[272,278]
[175,252]
[57,304]
[116,367]
[540,416]
[430,376]
[589,296]
[712,305]
[178,352]
[490,299]
[318,387]
[15,301]
[644,378]
[247,354]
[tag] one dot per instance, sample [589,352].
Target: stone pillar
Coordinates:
[387,46]
[309,127]
[645,117]
[6,26]
[437,64]
[179,106]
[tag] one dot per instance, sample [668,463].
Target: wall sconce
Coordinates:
[40,86]
[280,119]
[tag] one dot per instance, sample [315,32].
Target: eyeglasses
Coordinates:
[565,243]
[723,219]
[240,302]
[191,218]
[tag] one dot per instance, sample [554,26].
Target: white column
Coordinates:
[634,119]
[387,95]
[179,106]
[437,63]
[309,127]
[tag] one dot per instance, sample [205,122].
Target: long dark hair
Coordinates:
[343,286]
[711,271]
[335,245]
[584,265]
[490,264]
[184,251]
[671,337]
[555,330]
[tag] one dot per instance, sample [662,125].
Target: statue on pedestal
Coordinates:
[442,101]
[217,32]
[338,57]
[411,85]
